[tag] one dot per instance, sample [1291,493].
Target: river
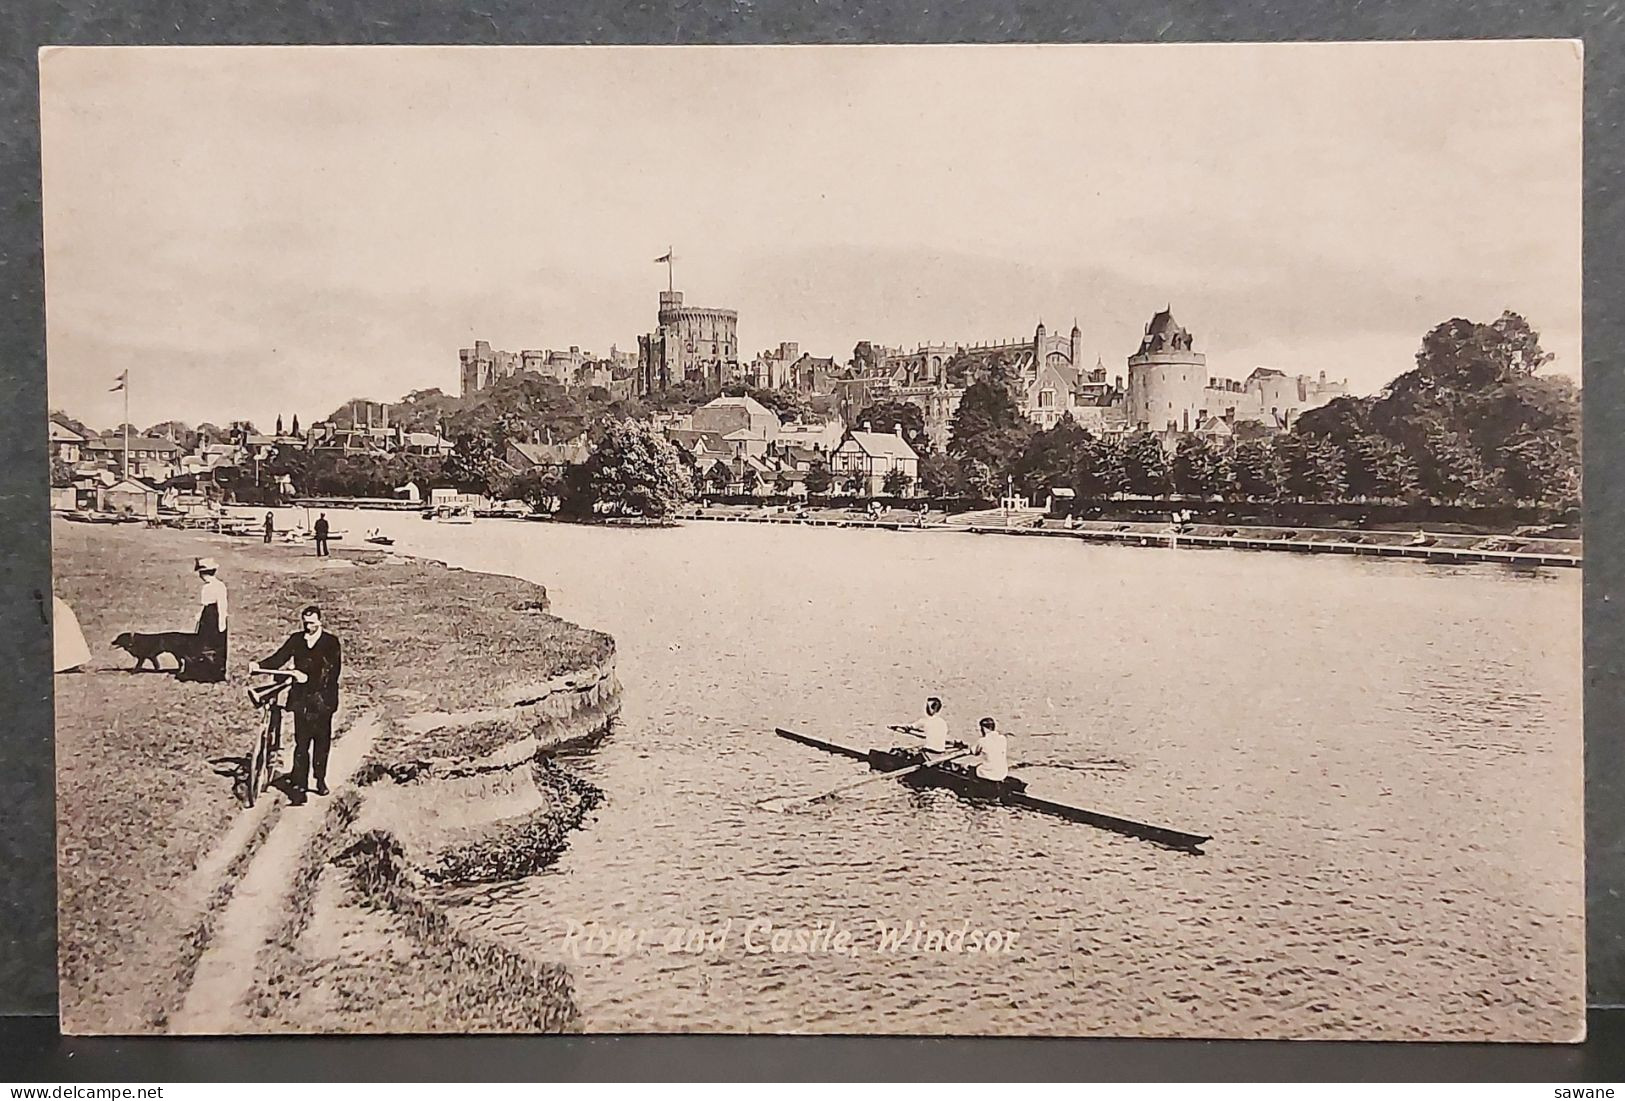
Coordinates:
[1387,754]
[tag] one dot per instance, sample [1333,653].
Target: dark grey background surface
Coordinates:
[27,901]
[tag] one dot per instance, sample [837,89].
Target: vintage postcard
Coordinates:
[1042,540]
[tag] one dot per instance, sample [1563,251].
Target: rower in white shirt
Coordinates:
[934,727]
[992,757]
[933,731]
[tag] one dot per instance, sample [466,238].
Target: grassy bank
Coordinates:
[144,762]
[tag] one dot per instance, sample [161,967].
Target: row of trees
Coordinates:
[1473,423]
[819,481]
[1289,467]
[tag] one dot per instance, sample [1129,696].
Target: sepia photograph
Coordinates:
[1071,540]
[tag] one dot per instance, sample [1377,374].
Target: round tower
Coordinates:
[1167,379]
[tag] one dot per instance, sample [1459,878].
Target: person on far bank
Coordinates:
[270,525]
[314,697]
[321,535]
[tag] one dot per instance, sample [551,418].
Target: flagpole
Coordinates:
[126,425]
[671,263]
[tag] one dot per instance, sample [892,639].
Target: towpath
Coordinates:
[226,972]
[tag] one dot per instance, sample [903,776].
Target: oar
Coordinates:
[918,733]
[1100,764]
[1096,766]
[785,802]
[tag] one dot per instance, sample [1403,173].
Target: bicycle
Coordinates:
[263,754]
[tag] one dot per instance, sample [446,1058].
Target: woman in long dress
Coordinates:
[67,639]
[209,662]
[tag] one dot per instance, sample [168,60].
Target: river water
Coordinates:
[1387,754]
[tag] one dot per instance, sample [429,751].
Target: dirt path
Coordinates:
[226,971]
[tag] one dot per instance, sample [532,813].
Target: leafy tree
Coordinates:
[473,466]
[540,488]
[865,358]
[635,471]
[896,482]
[1197,469]
[752,479]
[1097,468]
[1311,467]
[61,473]
[989,428]
[818,479]
[1051,456]
[1376,468]
[681,397]
[1542,468]
[576,499]
[1449,468]
[781,482]
[1473,392]
[886,416]
[179,431]
[941,475]
[1255,471]
[856,483]
[1145,465]
[979,480]
[1341,420]
[1466,355]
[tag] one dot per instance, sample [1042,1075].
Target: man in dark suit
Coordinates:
[312,699]
[321,535]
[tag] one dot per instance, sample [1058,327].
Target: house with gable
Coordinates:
[870,456]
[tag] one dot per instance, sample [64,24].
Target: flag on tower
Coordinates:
[666,259]
[124,376]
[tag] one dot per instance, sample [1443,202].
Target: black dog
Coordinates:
[149,647]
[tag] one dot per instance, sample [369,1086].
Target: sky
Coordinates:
[273,230]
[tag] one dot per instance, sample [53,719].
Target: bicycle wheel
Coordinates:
[273,742]
[256,768]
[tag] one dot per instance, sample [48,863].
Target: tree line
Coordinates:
[1473,423]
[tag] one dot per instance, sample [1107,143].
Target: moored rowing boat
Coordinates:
[966,784]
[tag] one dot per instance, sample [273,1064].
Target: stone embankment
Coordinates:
[1447,548]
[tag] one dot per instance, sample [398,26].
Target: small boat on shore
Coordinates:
[101,518]
[967,785]
[450,514]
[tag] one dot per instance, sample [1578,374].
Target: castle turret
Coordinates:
[1167,379]
[1077,346]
